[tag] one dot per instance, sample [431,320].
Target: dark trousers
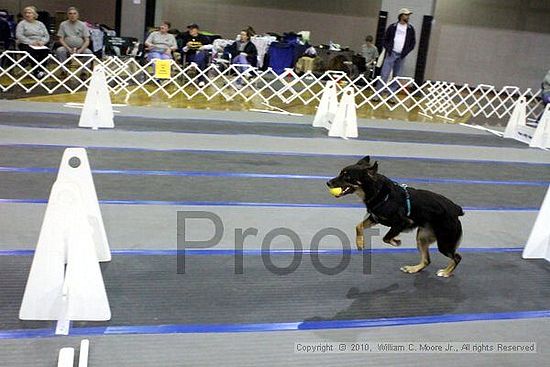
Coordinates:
[38,55]
[200,58]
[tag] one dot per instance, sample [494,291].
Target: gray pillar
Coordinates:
[132,22]
[419,9]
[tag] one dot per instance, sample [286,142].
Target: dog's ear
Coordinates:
[365,161]
[373,169]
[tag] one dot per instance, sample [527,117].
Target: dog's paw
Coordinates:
[393,241]
[411,269]
[444,273]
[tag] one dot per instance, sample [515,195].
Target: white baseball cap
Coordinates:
[404,11]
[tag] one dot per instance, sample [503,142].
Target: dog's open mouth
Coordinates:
[340,191]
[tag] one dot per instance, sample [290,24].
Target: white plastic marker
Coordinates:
[538,244]
[65,281]
[328,106]
[517,124]
[98,109]
[84,351]
[345,121]
[66,357]
[541,138]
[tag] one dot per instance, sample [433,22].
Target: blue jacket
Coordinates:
[410,39]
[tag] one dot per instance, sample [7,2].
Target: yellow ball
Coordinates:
[335,191]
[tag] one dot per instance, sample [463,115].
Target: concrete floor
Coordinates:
[153,227]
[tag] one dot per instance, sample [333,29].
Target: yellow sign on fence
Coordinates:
[162,69]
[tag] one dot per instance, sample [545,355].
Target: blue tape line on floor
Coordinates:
[257,252]
[288,326]
[276,176]
[249,204]
[268,135]
[291,154]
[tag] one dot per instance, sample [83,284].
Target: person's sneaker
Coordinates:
[201,83]
[40,74]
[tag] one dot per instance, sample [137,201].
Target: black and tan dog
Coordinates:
[402,209]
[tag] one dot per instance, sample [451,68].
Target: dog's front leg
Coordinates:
[390,237]
[359,229]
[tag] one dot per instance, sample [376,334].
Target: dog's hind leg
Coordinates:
[448,271]
[448,240]
[424,238]
[359,229]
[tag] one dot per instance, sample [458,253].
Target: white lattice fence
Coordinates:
[243,83]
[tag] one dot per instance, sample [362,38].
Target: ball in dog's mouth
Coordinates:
[335,191]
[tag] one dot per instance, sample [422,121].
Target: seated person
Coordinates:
[160,44]
[32,36]
[196,46]
[243,51]
[369,52]
[74,36]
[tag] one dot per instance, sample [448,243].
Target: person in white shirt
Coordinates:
[399,40]
[32,36]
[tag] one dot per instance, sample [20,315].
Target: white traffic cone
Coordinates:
[345,121]
[98,109]
[538,244]
[327,107]
[517,124]
[541,137]
[72,234]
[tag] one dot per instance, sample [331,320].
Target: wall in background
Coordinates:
[346,22]
[496,42]
[97,11]
[132,23]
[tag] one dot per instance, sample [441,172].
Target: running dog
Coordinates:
[403,208]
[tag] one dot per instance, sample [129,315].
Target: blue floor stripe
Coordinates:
[284,326]
[258,252]
[251,204]
[273,135]
[27,333]
[291,154]
[275,176]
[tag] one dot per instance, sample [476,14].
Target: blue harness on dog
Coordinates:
[407,202]
[408,199]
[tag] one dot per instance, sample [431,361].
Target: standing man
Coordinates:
[399,40]
[74,36]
